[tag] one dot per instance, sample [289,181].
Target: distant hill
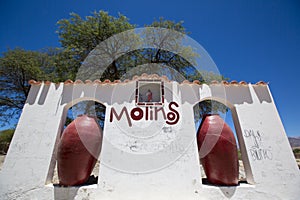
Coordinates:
[294,141]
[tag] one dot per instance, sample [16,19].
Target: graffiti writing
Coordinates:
[257,150]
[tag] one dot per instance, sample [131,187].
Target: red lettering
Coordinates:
[124,110]
[157,110]
[173,116]
[138,116]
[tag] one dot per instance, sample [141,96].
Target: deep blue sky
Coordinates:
[248,40]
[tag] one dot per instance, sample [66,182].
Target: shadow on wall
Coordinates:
[34,91]
[262,93]
[103,93]
[238,95]
[43,95]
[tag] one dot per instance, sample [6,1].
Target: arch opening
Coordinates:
[93,112]
[208,146]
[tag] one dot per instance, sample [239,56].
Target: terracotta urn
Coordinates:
[78,150]
[218,151]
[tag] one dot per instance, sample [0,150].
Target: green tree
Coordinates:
[78,37]
[17,67]
[6,135]
[5,139]
[159,39]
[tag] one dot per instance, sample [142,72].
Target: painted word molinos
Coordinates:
[148,113]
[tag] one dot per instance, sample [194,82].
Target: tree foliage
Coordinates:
[5,139]
[167,50]
[6,135]
[78,37]
[17,67]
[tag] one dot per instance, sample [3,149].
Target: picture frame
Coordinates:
[149,93]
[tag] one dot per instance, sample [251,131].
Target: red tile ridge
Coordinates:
[234,82]
[165,78]
[146,76]
[186,82]
[243,83]
[214,82]
[197,82]
[78,81]
[150,76]
[88,82]
[97,81]
[154,76]
[135,77]
[34,82]
[68,82]
[225,82]
[47,82]
[261,83]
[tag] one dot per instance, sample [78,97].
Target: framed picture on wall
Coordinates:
[149,93]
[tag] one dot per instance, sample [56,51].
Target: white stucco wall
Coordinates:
[160,165]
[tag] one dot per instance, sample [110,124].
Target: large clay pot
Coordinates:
[78,150]
[218,151]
